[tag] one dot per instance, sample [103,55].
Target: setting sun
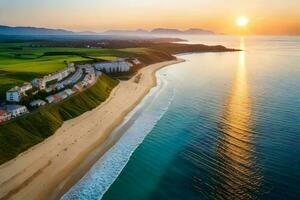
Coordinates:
[242,21]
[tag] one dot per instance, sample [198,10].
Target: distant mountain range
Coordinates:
[161,31]
[8,30]
[22,30]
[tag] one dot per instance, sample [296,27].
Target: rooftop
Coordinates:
[13,107]
[14,89]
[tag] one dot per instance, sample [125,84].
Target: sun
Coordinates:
[242,21]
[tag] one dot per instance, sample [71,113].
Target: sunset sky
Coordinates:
[265,16]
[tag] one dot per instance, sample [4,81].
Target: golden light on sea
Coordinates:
[237,162]
[242,21]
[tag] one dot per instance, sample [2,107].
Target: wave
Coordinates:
[106,170]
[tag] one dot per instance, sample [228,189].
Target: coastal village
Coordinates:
[55,87]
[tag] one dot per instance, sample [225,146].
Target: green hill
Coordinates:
[21,134]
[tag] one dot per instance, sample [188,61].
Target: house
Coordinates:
[84,83]
[25,87]
[136,61]
[78,87]
[59,86]
[69,92]
[60,75]
[89,79]
[49,89]
[37,103]
[4,116]
[98,73]
[14,95]
[57,98]
[50,99]
[16,110]
[113,66]
[74,90]
[62,95]
[71,65]
[38,83]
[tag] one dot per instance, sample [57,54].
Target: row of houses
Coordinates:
[12,111]
[15,94]
[41,83]
[60,96]
[89,79]
[69,81]
[119,65]
[84,75]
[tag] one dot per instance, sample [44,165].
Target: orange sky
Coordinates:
[266,16]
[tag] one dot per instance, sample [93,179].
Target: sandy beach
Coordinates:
[48,169]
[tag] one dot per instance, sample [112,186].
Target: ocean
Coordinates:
[218,126]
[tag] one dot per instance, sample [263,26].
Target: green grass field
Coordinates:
[21,62]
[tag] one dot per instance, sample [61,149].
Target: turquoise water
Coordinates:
[218,126]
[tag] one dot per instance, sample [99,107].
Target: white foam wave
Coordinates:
[106,170]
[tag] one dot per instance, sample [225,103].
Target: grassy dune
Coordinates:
[21,134]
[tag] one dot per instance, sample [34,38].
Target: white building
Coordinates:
[16,110]
[60,75]
[74,78]
[69,92]
[4,116]
[83,66]
[50,99]
[78,86]
[38,83]
[14,95]
[25,87]
[37,103]
[71,65]
[113,66]
[49,89]
[136,61]
[59,86]
[62,95]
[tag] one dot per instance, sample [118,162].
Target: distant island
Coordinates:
[23,30]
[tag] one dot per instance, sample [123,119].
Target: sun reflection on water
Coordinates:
[239,177]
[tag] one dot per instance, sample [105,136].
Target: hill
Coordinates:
[22,30]
[160,31]
[127,32]
[22,133]
[197,31]
[35,31]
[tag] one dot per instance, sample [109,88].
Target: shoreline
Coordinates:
[49,169]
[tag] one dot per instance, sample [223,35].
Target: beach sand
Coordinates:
[50,168]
